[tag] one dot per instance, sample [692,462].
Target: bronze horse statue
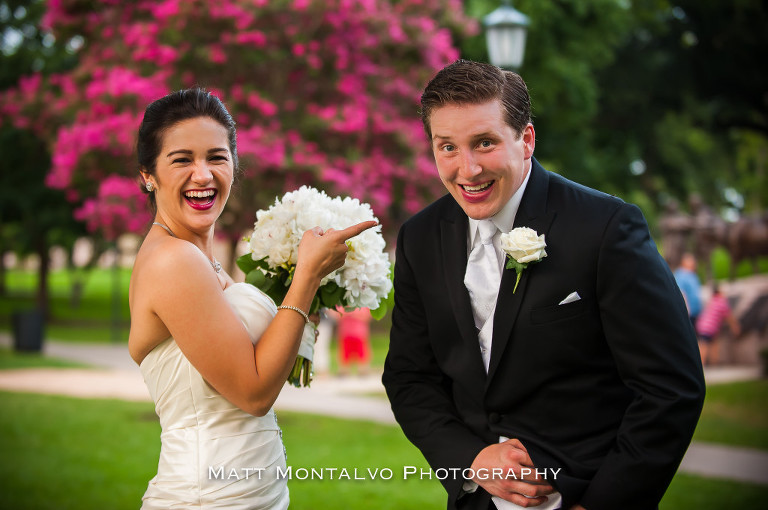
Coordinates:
[746,239]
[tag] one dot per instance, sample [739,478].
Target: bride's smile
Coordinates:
[201,199]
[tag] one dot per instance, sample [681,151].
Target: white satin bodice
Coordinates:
[213,455]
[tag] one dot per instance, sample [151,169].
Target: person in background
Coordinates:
[690,285]
[709,323]
[354,328]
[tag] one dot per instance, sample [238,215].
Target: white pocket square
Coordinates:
[573,296]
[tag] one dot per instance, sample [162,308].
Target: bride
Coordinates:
[214,353]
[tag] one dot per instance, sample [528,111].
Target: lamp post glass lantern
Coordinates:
[505,35]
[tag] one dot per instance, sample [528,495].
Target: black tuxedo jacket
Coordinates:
[608,388]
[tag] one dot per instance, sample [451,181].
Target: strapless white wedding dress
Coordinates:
[213,455]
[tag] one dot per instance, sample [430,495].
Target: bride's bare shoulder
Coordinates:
[166,258]
[169,268]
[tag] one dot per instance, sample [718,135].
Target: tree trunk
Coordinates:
[762,156]
[3,273]
[42,283]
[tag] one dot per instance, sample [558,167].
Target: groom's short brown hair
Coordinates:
[468,82]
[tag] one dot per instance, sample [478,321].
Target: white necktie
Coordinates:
[483,276]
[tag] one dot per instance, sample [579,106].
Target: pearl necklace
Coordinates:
[214,263]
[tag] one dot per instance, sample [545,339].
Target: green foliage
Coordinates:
[670,99]
[33,216]
[641,97]
[721,263]
[387,304]
[24,47]
[751,168]
[696,154]
[275,283]
[247,264]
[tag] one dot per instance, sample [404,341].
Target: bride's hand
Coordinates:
[321,252]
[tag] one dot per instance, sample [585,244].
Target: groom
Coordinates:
[578,388]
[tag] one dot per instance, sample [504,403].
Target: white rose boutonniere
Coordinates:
[523,246]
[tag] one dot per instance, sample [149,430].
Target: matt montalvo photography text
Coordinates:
[385,473]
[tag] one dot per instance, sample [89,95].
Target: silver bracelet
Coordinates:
[295,309]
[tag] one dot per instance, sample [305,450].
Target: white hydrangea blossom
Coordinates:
[278,230]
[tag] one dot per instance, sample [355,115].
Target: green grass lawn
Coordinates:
[68,453]
[13,359]
[64,453]
[689,492]
[96,299]
[90,320]
[735,414]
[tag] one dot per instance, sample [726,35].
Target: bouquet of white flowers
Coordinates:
[363,281]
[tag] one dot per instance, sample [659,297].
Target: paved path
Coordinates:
[351,397]
[718,461]
[119,377]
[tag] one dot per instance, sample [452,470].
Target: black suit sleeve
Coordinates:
[418,390]
[654,347]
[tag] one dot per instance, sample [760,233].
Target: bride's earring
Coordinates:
[150,187]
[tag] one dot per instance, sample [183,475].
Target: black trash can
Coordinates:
[27,328]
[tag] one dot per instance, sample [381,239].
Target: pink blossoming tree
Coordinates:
[324,92]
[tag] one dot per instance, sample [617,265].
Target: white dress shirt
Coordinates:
[504,221]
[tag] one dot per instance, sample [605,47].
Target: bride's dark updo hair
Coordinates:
[168,111]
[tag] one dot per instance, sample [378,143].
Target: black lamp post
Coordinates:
[506,30]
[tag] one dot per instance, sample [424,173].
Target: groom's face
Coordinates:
[481,160]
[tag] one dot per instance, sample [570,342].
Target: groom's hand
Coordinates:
[510,456]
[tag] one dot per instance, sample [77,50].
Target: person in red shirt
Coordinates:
[354,340]
[709,322]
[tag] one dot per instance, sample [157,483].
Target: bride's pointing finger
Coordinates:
[354,230]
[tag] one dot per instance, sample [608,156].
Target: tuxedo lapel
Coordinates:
[453,242]
[533,213]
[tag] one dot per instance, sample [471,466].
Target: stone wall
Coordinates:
[749,300]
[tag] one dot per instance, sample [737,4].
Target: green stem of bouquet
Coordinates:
[301,373]
[307,372]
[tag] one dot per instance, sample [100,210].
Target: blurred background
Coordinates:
[663,103]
